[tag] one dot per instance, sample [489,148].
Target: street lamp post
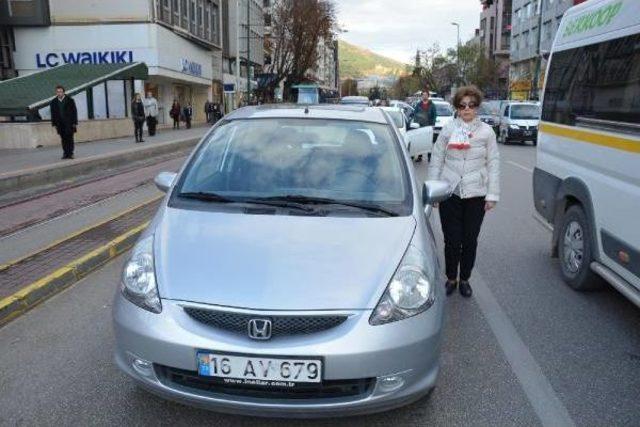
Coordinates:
[458,48]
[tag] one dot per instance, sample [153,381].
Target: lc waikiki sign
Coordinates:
[53,59]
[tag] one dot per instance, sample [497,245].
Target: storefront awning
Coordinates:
[34,91]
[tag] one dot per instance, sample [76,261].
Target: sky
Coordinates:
[396,28]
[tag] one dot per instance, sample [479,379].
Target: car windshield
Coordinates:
[525,112]
[443,109]
[397,118]
[336,160]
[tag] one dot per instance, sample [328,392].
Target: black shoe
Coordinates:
[450,286]
[70,157]
[142,140]
[465,289]
[63,158]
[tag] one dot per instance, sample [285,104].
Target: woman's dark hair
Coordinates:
[471,92]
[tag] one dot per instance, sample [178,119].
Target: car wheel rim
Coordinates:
[573,247]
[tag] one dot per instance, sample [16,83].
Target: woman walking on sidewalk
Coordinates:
[466,155]
[175,113]
[138,115]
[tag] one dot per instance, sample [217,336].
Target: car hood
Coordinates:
[277,262]
[527,123]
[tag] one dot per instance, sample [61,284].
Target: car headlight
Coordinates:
[516,127]
[139,277]
[409,293]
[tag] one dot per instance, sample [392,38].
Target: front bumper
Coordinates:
[522,134]
[408,349]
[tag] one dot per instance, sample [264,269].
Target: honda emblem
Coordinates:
[260,329]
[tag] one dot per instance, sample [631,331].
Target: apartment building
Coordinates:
[495,37]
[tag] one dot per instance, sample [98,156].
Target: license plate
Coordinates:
[258,370]
[528,133]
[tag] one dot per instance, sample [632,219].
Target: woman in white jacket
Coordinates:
[465,155]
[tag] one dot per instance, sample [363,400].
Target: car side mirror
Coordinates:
[414,125]
[434,191]
[164,180]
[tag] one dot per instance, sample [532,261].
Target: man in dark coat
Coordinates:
[64,117]
[187,112]
[425,112]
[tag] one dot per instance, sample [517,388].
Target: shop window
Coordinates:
[598,81]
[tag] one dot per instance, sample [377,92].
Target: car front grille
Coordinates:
[326,389]
[281,325]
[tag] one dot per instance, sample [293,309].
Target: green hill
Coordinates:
[357,62]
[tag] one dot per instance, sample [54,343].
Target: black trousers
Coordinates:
[151,125]
[461,221]
[188,122]
[138,129]
[66,138]
[176,123]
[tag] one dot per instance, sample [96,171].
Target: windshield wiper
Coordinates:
[209,197]
[327,201]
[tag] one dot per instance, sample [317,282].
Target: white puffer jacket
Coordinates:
[476,170]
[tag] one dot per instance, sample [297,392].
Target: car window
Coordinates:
[485,110]
[341,160]
[525,112]
[444,110]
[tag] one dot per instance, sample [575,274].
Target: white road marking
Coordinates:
[546,404]
[518,165]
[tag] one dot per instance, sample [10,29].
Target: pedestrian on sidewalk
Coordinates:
[466,156]
[188,114]
[138,115]
[64,117]
[151,110]
[208,110]
[217,112]
[175,113]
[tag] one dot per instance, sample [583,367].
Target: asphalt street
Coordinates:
[525,350]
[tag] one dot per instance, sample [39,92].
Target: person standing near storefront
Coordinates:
[138,115]
[188,114]
[64,117]
[208,110]
[175,114]
[151,109]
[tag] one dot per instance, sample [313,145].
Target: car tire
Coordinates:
[576,251]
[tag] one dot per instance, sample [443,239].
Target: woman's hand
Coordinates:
[489,205]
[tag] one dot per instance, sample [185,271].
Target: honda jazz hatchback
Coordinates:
[290,271]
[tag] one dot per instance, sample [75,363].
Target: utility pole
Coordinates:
[458,51]
[248,49]
[238,51]
[536,75]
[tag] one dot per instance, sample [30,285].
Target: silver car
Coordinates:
[290,271]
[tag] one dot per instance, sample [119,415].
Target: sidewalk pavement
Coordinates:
[15,160]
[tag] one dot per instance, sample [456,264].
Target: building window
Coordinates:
[528,9]
[165,13]
[184,13]
[597,81]
[215,16]
[525,38]
[200,21]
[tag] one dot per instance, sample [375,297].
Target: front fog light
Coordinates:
[390,383]
[143,367]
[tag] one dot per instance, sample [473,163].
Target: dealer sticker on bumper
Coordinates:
[259,370]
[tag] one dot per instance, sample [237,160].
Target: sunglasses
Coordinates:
[463,106]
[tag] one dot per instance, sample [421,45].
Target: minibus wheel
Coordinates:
[576,251]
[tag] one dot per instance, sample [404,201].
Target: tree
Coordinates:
[298,26]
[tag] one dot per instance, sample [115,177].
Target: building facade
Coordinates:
[495,38]
[243,48]
[535,23]
[178,40]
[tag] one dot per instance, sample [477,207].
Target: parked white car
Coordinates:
[519,122]
[444,113]
[416,139]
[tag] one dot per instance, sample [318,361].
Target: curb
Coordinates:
[60,171]
[44,288]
